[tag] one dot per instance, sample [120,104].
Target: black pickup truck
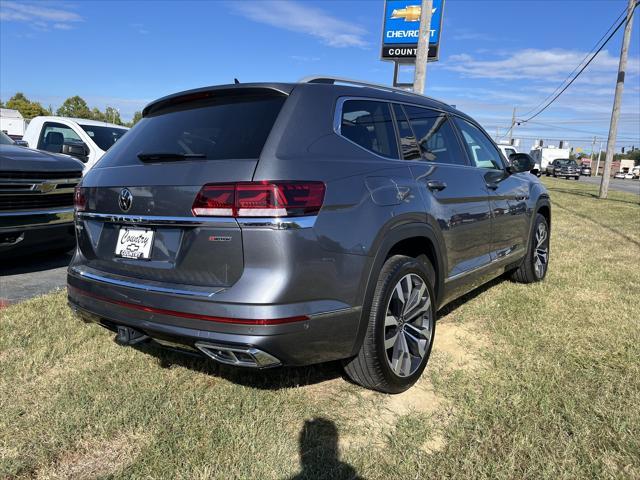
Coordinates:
[36,199]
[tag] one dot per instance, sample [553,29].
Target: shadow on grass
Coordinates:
[457,303]
[267,379]
[600,224]
[318,447]
[589,195]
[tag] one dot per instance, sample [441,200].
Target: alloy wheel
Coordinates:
[541,253]
[408,325]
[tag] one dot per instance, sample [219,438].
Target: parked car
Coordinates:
[628,176]
[585,170]
[620,175]
[36,199]
[635,171]
[563,167]
[87,140]
[276,224]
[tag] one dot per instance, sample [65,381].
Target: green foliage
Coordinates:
[26,107]
[74,107]
[136,118]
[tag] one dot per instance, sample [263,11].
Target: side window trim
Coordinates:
[337,124]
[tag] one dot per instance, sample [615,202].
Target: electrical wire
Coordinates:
[580,71]
[578,65]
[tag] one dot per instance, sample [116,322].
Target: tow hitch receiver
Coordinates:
[129,336]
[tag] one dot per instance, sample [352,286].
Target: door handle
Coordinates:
[492,185]
[436,185]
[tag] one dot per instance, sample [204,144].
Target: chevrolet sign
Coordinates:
[401,28]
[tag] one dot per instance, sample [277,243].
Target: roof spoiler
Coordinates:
[237,90]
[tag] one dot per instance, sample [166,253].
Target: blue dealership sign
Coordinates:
[401,28]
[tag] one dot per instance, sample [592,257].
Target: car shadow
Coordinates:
[35,263]
[265,379]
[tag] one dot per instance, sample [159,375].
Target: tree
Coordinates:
[136,118]
[74,107]
[96,114]
[112,115]
[26,107]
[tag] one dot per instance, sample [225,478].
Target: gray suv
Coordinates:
[276,224]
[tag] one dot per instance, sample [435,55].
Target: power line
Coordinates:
[580,71]
[624,10]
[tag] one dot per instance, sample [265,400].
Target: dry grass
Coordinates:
[525,381]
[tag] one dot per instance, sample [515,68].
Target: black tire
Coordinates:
[546,173]
[371,368]
[577,178]
[527,271]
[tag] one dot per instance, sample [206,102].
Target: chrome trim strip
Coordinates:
[156,220]
[140,286]
[275,223]
[492,263]
[20,213]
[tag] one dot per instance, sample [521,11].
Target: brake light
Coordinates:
[79,199]
[259,199]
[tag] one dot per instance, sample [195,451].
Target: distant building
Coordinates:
[12,123]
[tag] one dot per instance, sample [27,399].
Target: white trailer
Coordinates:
[12,123]
[543,156]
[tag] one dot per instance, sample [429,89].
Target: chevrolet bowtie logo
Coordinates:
[411,13]
[45,187]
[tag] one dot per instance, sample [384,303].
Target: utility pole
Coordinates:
[598,164]
[513,124]
[593,146]
[615,113]
[422,55]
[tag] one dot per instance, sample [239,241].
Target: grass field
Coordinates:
[525,381]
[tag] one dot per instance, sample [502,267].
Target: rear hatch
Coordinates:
[136,216]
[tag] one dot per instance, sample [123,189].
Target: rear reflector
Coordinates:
[195,316]
[259,199]
[79,199]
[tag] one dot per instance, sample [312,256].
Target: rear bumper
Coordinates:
[293,334]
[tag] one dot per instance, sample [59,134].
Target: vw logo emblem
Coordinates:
[125,200]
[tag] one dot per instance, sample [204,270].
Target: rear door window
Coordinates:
[368,123]
[224,128]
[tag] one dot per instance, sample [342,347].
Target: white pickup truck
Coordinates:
[87,140]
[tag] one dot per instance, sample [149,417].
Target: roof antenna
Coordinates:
[236,81]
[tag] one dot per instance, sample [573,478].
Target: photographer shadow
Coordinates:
[318,444]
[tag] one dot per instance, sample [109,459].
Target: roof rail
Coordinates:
[349,81]
[360,83]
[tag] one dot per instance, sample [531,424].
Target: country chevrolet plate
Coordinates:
[134,243]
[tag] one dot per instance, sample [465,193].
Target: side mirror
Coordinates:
[520,162]
[21,143]
[76,149]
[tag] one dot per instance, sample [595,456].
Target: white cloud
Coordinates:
[543,65]
[296,17]
[38,16]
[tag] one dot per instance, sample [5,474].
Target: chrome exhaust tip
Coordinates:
[238,356]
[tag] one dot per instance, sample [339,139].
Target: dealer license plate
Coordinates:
[134,243]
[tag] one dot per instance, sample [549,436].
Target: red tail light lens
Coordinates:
[260,199]
[79,199]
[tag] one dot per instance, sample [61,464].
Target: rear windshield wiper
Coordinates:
[168,156]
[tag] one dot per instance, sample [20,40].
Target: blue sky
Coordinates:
[494,54]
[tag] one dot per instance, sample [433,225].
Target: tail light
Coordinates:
[259,199]
[79,199]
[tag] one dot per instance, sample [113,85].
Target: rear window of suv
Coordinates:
[223,128]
